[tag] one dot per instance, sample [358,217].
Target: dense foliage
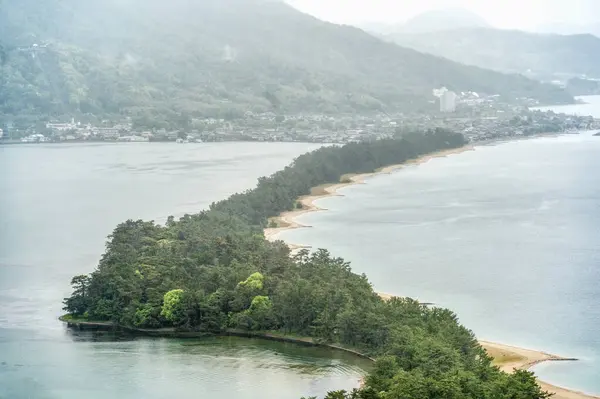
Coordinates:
[163,63]
[215,271]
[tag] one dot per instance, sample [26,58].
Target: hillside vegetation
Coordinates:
[511,51]
[215,58]
[214,271]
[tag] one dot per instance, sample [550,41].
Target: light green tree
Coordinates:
[261,312]
[171,304]
[246,291]
[253,283]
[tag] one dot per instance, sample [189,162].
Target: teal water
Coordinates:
[57,205]
[506,235]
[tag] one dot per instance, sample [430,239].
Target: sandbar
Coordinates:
[287,220]
[506,357]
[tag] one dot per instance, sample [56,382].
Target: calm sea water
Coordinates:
[506,235]
[57,205]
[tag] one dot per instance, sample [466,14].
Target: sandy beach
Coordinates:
[507,357]
[287,220]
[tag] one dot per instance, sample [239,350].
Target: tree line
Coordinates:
[215,271]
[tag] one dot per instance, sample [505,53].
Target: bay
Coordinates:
[506,236]
[57,205]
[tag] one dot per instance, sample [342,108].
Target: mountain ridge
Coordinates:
[186,59]
[511,51]
[427,22]
[442,20]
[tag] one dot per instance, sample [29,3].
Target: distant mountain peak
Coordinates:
[444,19]
[563,28]
[545,57]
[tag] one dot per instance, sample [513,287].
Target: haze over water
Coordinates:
[57,205]
[506,236]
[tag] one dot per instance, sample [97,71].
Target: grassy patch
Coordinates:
[80,319]
[346,179]
[320,190]
[70,317]
[502,357]
[276,223]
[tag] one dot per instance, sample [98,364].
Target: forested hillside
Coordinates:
[511,51]
[215,271]
[184,58]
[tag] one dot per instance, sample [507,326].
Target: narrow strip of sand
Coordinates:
[507,357]
[287,220]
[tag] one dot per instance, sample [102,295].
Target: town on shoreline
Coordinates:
[494,122]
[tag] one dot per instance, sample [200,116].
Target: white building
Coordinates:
[107,132]
[35,138]
[448,102]
[439,92]
[62,127]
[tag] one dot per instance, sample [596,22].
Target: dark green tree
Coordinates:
[77,304]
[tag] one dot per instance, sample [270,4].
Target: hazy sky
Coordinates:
[517,14]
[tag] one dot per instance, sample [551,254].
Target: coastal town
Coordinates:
[477,118]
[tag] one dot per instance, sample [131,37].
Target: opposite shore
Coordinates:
[506,357]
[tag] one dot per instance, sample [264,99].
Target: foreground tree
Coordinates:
[77,304]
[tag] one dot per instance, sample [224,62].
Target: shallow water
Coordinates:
[506,235]
[57,205]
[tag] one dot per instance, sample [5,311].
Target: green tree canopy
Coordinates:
[215,270]
[172,304]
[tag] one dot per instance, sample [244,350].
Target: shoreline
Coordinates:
[506,357]
[287,220]
[82,325]
[524,359]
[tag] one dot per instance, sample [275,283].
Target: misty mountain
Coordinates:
[512,51]
[563,28]
[430,21]
[442,20]
[583,87]
[183,58]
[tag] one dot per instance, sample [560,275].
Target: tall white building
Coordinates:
[439,92]
[448,102]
